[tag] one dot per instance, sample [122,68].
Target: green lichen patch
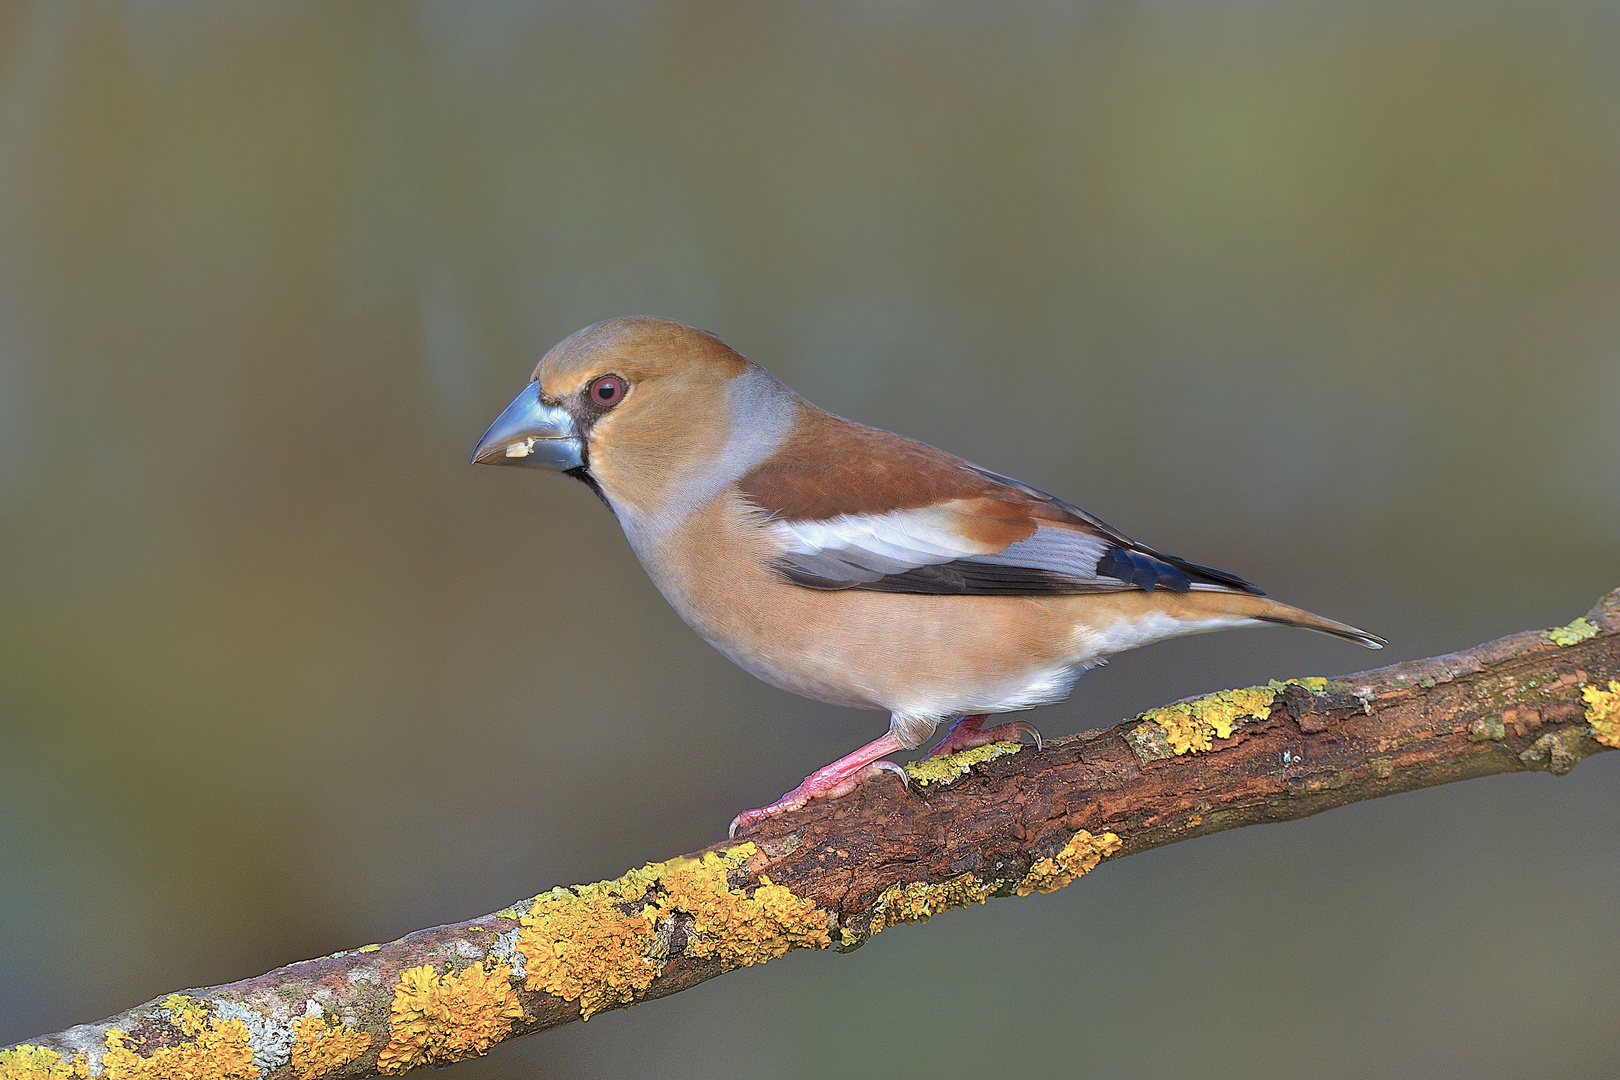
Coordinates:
[1151,742]
[948,768]
[1573,634]
[1557,751]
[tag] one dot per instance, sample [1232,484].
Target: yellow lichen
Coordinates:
[601,944]
[28,1062]
[217,1050]
[188,1014]
[1188,727]
[321,1046]
[583,945]
[220,1052]
[948,767]
[1192,726]
[1574,633]
[1603,712]
[918,901]
[738,928]
[1079,855]
[440,1018]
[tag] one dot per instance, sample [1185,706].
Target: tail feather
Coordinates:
[1262,609]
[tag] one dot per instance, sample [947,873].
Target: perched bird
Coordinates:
[844,563]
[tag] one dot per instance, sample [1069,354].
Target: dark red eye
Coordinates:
[607,391]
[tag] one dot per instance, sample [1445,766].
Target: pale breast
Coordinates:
[927,657]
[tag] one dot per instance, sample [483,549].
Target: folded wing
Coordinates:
[893,515]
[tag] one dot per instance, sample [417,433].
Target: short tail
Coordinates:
[1264,609]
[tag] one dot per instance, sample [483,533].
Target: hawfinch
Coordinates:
[845,563]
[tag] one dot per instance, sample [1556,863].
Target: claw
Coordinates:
[1025,727]
[898,770]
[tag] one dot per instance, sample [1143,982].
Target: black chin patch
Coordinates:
[583,475]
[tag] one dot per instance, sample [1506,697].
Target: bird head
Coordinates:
[630,406]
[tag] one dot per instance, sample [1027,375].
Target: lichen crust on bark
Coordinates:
[1009,822]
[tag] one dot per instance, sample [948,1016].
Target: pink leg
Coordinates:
[836,779]
[967,733]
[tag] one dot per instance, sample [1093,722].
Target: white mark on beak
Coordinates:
[520,449]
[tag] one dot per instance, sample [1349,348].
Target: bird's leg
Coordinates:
[836,779]
[967,733]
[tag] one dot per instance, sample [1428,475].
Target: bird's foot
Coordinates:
[838,779]
[967,733]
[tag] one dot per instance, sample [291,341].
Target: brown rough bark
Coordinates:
[1017,823]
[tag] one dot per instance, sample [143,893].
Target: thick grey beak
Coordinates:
[532,434]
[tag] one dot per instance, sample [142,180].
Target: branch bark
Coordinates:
[993,822]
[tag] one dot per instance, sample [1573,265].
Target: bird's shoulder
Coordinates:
[829,467]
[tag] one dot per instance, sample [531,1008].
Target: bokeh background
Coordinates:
[1327,294]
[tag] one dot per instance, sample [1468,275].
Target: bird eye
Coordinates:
[607,391]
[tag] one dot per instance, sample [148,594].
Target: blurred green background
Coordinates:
[1327,294]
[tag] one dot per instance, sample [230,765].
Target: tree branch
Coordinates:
[992,822]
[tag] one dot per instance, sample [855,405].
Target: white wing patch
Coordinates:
[858,549]
[865,547]
[1062,551]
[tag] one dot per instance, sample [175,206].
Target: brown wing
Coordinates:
[861,508]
